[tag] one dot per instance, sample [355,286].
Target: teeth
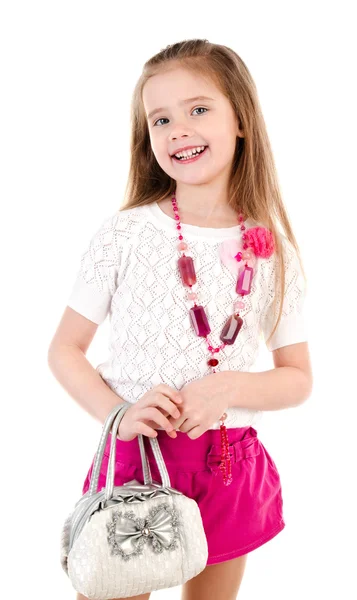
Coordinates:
[191,152]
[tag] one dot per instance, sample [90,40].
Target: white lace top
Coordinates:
[129,271]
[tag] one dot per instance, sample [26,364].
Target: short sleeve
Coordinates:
[97,276]
[292,327]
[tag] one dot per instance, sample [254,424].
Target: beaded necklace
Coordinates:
[255,240]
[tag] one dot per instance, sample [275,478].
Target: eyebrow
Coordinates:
[187,101]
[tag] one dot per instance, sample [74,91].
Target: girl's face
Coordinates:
[181,122]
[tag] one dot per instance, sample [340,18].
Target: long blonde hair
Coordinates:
[253,187]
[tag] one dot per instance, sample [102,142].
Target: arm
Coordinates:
[69,365]
[287,385]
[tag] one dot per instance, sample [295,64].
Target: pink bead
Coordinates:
[182,246]
[192,295]
[244,281]
[231,329]
[177,217]
[187,270]
[247,254]
[239,304]
[238,256]
[199,321]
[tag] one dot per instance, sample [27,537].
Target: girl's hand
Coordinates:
[203,403]
[148,412]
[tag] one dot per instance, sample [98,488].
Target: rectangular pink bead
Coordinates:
[199,321]
[231,329]
[245,280]
[187,270]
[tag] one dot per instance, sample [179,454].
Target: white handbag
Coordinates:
[131,539]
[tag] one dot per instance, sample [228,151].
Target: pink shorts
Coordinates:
[237,518]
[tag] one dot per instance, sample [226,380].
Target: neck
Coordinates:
[205,202]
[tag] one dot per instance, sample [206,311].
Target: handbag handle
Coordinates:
[121,408]
[165,478]
[93,488]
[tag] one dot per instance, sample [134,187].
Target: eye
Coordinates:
[198,107]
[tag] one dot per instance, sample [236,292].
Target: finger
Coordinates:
[155,415]
[168,391]
[145,429]
[154,426]
[172,409]
[178,421]
[168,407]
[172,434]
[195,433]
[181,425]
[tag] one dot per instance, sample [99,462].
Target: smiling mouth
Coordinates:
[190,159]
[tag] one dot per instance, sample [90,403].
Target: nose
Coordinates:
[181,131]
[176,136]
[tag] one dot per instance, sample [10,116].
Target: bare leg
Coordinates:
[216,582]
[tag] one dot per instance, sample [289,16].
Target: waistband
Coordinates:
[186,453]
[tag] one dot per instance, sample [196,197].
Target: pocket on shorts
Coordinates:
[241,450]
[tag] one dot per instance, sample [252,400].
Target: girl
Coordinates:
[192,271]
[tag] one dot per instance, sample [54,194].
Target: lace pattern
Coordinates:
[129,272]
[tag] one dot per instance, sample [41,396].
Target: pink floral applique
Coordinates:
[261,241]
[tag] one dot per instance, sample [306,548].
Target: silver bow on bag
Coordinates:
[132,539]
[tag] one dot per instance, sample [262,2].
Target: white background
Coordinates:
[67,73]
